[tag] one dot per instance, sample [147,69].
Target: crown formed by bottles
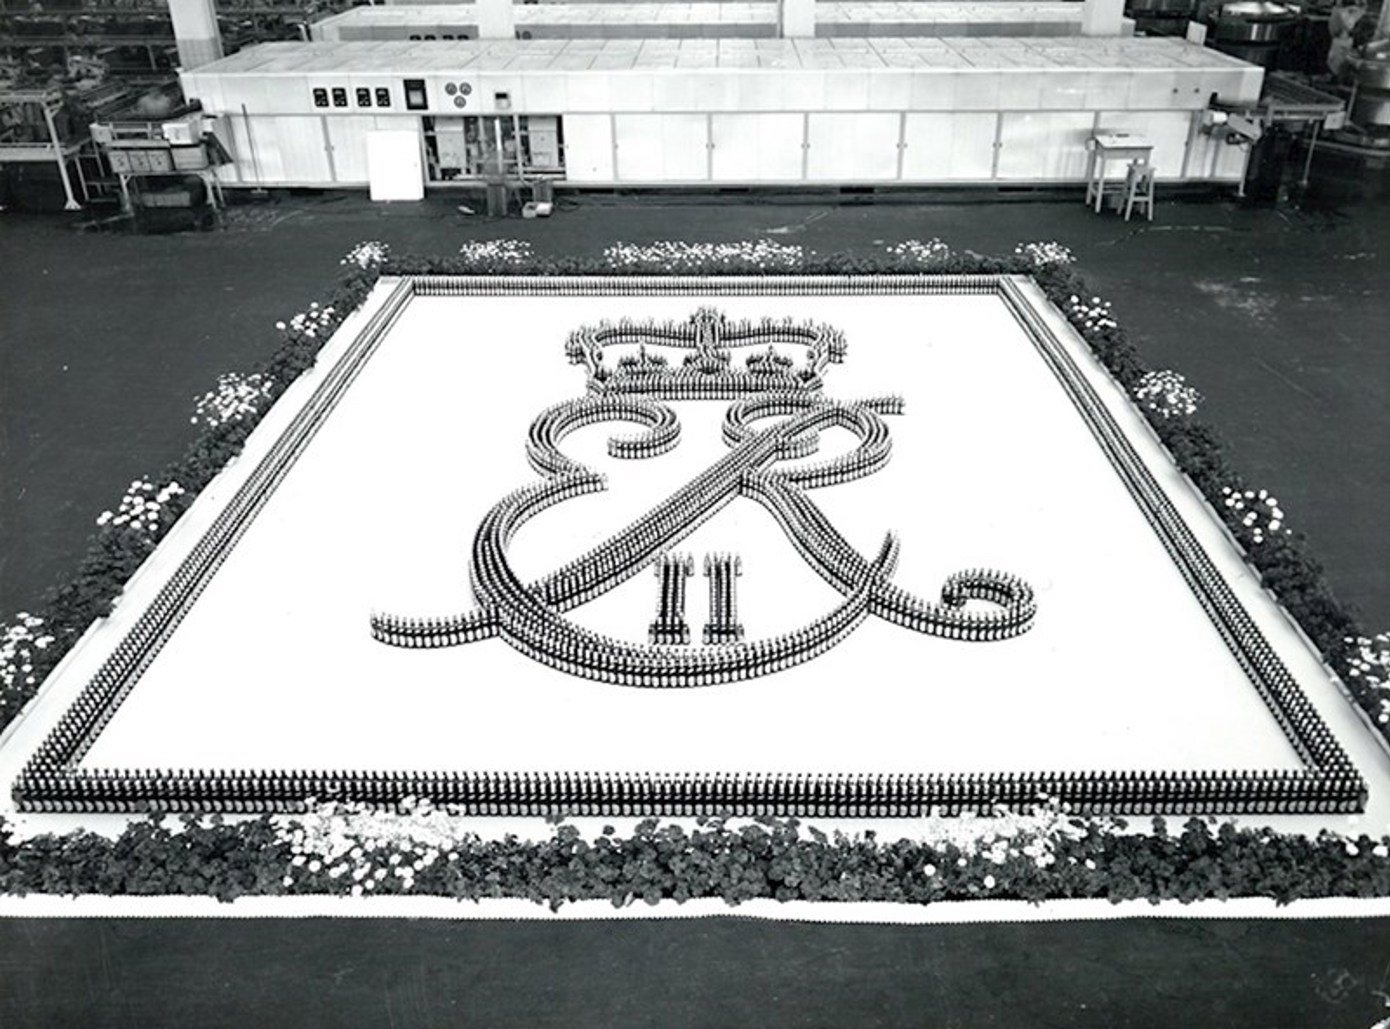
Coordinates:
[695,358]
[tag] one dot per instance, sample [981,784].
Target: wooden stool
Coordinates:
[1139,188]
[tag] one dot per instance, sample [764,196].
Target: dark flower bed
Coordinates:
[1283,561]
[768,859]
[115,552]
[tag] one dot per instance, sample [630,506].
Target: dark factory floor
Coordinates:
[1277,314]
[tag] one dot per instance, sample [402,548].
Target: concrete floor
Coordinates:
[1276,314]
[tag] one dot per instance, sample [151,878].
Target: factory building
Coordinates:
[838,94]
[834,104]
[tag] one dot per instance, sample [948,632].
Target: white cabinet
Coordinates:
[853,147]
[1043,146]
[588,147]
[955,146]
[662,147]
[757,147]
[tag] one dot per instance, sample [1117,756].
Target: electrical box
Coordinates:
[181,133]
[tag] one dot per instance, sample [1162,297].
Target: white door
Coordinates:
[662,147]
[588,148]
[847,147]
[394,170]
[757,147]
[949,146]
[1044,146]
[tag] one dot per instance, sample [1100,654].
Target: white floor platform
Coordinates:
[992,466]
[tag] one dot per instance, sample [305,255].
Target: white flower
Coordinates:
[18,644]
[497,251]
[1042,255]
[1259,514]
[367,255]
[1167,394]
[929,252]
[681,256]
[235,398]
[989,882]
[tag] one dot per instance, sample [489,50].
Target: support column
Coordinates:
[796,19]
[496,19]
[196,31]
[71,203]
[1102,17]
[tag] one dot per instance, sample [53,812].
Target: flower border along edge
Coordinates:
[52,780]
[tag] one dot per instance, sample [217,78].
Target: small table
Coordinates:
[1104,147]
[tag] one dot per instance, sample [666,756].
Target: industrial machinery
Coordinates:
[1161,17]
[1370,104]
[65,145]
[165,168]
[1261,32]
[135,38]
[43,138]
[1288,110]
[1366,84]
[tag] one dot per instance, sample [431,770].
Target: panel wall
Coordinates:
[757,147]
[588,147]
[946,147]
[347,135]
[230,134]
[1042,146]
[295,151]
[1166,130]
[853,146]
[662,147]
[1213,159]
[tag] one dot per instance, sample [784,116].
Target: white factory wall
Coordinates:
[754,89]
[736,126]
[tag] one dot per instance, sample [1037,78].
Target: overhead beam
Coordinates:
[196,32]
[796,19]
[1102,17]
[496,19]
